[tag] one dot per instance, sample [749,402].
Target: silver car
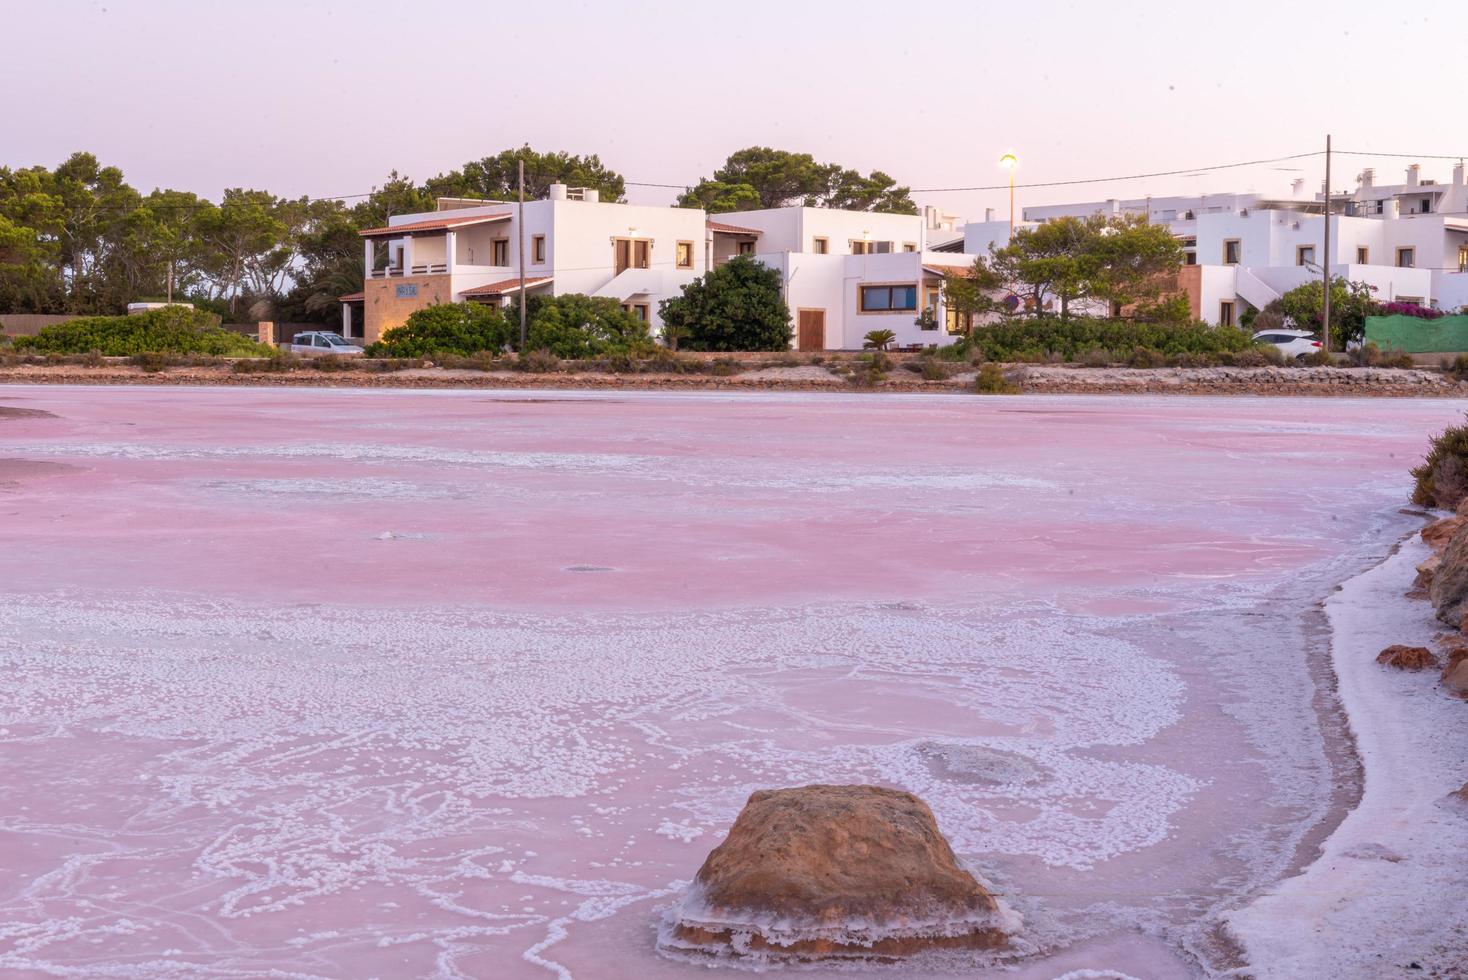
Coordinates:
[323,342]
[1298,344]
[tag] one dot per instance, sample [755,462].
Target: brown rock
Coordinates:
[1427,570]
[1450,582]
[1462,510]
[1455,674]
[1437,534]
[1407,658]
[834,872]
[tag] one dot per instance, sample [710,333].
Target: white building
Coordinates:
[1409,241]
[574,243]
[845,273]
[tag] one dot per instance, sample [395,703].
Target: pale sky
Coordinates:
[325,98]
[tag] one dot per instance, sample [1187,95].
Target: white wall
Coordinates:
[793,229]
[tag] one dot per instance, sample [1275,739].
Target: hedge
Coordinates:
[169,330]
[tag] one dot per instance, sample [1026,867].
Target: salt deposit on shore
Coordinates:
[1388,894]
[350,684]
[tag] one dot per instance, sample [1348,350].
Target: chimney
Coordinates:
[989,212]
[1297,187]
[1458,173]
[591,195]
[556,192]
[1368,178]
[1391,207]
[1413,173]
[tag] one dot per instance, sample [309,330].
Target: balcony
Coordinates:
[396,271]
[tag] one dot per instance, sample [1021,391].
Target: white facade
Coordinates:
[846,273]
[637,255]
[1409,241]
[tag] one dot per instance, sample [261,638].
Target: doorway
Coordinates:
[812,330]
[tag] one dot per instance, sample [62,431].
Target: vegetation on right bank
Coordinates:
[1442,478]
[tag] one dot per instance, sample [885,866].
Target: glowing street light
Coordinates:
[1009,161]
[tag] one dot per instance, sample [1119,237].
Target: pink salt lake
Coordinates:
[343,683]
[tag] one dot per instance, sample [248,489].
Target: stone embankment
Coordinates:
[1442,579]
[833,374]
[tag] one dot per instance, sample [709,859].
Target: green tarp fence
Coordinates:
[1415,335]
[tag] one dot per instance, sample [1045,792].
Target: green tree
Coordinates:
[577,326]
[496,178]
[397,195]
[735,307]
[446,328]
[878,339]
[777,178]
[1350,304]
[1120,261]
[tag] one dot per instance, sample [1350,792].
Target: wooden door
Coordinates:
[812,330]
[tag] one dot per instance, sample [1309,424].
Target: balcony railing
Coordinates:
[393,271]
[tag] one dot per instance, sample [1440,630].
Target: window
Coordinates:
[1426,205]
[1190,258]
[638,310]
[1363,255]
[1406,258]
[1304,254]
[746,248]
[1463,258]
[1226,313]
[1231,252]
[820,246]
[958,323]
[909,246]
[537,248]
[888,299]
[685,255]
[864,247]
[499,253]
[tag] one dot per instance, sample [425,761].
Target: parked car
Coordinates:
[323,342]
[1298,344]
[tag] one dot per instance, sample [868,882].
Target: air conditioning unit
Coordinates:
[1243,212]
[1296,227]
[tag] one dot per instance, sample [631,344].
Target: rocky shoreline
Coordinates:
[1025,379]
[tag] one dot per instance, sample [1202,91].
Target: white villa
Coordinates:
[1408,240]
[845,272]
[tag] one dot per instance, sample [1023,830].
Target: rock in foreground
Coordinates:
[1407,658]
[834,872]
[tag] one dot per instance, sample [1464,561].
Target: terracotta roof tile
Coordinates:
[505,286]
[719,226]
[436,224]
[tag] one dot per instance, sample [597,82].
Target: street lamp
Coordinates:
[1009,161]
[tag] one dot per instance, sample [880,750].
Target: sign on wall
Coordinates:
[408,291]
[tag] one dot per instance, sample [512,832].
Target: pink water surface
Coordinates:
[343,683]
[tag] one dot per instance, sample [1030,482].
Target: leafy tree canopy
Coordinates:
[446,328]
[1350,304]
[777,178]
[577,326]
[497,177]
[735,307]
[1118,261]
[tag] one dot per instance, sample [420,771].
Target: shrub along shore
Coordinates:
[576,341]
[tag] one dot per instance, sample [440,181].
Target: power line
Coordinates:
[1104,180]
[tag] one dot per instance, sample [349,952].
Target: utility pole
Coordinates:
[520,248]
[1325,259]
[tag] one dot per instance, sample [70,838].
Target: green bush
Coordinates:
[576,326]
[1442,478]
[538,362]
[446,328]
[169,330]
[1146,357]
[738,306]
[992,381]
[151,362]
[1038,339]
[1457,367]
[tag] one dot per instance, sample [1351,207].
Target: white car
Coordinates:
[1298,344]
[323,342]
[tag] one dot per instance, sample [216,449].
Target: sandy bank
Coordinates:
[1388,892]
